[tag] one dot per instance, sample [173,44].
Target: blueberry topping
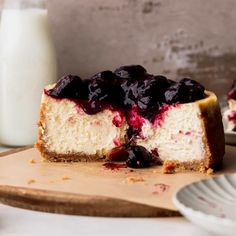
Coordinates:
[176,93]
[129,86]
[98,91]
[130,72]
[103,76]
[138,157]
[69,86]
[195,90]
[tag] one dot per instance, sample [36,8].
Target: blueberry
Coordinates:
[138,157]
[103,76]
[130,93]
[156,86]
[176,93]
[103,87]
[97,91]
[98,88]
[130,72]
[69,86]
[195,90]
[151,95]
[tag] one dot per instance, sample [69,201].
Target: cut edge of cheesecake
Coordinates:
[213,141]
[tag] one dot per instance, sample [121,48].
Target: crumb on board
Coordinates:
[133,179]
[65,178]
[210,171]
[32,161]
[168,167]
[31,181]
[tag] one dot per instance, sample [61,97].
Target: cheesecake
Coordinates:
[230,111]
[131,116]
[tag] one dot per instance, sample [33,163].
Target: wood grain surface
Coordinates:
[27,181]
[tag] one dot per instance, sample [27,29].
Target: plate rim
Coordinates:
[183,208]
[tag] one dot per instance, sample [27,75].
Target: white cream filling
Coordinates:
[180,135]
[69,129]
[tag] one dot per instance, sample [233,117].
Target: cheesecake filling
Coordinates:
[179,135]
[84,133]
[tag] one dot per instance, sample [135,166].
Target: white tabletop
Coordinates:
[15,222]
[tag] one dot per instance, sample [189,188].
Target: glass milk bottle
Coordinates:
[27,64]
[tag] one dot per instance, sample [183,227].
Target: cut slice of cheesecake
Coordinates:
[142,120]
[67,133]
[230,112]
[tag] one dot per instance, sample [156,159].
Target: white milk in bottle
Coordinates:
[27,64]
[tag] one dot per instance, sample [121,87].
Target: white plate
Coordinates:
[210,203]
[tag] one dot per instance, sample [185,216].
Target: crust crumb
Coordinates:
[169,167]
[31,181]
[134,179]
[65,178]
[32,161]
[210,171]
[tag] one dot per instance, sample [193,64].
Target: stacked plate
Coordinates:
[210,203]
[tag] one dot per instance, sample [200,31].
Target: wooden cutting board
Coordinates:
[27,181]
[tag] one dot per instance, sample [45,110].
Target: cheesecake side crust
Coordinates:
[171,167]
[213,141]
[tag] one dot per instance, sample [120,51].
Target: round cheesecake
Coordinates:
[132,116]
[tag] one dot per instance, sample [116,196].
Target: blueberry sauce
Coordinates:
[136,95]
[161,188]
[138,157]
[118,154]
[114,166]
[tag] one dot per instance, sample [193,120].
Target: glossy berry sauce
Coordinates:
[135,94]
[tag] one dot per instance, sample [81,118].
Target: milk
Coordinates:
[27,64]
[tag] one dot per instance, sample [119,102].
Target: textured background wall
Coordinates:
[175,38]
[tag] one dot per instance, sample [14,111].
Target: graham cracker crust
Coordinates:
[69,157]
